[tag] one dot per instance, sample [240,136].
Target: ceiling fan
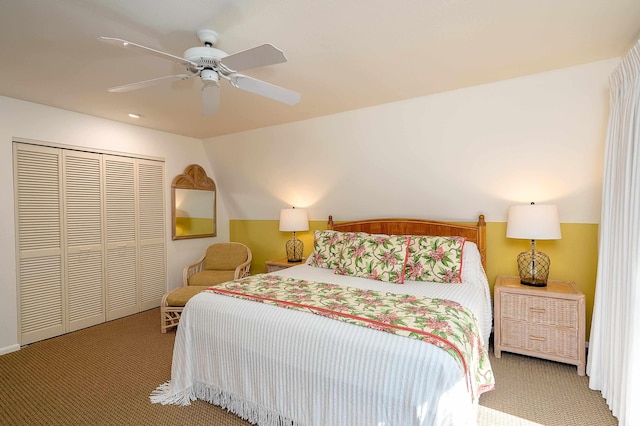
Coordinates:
[211,65]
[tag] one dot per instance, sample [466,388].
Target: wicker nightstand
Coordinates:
[545,322]
[277,265]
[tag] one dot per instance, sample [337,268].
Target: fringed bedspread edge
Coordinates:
[247,410]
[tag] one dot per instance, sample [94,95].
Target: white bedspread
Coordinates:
[270,365]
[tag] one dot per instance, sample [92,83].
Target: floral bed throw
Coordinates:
[443,323]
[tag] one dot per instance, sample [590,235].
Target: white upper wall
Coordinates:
[26,120]
[448,156]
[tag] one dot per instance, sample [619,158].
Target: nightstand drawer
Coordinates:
[540,310]
[556,341]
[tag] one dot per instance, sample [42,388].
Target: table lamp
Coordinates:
[292,220]
[533,222]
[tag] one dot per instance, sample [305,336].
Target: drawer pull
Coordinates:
[537,310]
[538,338]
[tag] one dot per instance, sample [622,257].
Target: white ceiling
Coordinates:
[342,54]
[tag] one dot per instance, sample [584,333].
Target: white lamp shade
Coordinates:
[534,222]
[292,220]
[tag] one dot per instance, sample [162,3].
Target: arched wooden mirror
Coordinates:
[193,204]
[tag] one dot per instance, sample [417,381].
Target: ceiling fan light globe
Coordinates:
[209,76]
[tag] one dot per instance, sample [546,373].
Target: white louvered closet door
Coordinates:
[120,223]
[151,244]
[39,233]
[90,234]
[83,242]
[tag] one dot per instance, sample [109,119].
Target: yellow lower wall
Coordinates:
[573,258]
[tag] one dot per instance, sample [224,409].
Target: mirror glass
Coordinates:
[194,212]
[193,199]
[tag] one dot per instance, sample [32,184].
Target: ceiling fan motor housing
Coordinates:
[204,56]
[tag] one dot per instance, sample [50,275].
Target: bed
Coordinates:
[357,342]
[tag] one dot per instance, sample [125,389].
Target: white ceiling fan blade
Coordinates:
[146,83]
[263,88]
[260,56]
[210,99]
[130,45]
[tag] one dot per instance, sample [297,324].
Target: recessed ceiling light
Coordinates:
[134,115]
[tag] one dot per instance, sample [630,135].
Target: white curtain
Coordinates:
[614,345]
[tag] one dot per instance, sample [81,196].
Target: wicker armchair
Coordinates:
[221,262]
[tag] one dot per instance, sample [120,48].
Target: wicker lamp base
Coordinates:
[533,267]
[295,249]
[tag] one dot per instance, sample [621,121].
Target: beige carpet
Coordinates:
[531,391]
[103,375]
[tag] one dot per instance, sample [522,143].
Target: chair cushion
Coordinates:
[180,296]
[209,278]
[224,256]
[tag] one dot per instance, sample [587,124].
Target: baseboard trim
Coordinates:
[9,349]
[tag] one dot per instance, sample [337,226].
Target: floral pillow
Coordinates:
[435,259]
[327,247]
[377,257]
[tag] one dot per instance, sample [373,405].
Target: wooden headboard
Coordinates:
[476,233]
